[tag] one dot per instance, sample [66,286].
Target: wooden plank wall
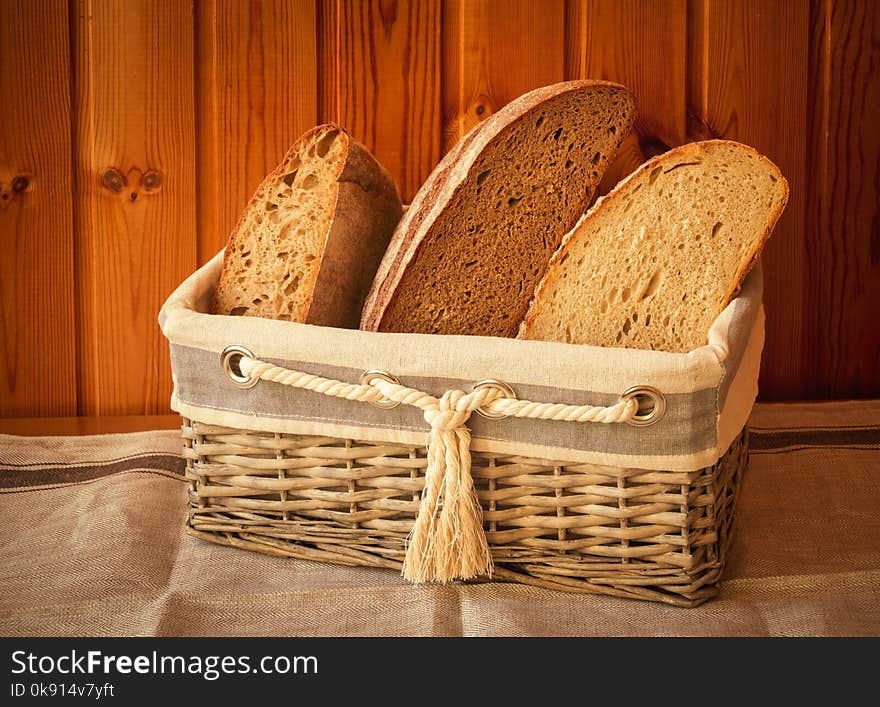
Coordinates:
[37,320]
[135,212]
[134,133]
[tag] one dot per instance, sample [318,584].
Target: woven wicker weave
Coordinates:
[656,535]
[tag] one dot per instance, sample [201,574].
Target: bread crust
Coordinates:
[622,189]
[431,200]
[401,247]
[365,202]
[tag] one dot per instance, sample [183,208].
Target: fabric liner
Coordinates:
[710,390]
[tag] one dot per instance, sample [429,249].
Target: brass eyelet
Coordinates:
[644,394]
[230,359]
[505,389]
[368,377]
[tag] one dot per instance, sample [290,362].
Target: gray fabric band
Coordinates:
[687,427]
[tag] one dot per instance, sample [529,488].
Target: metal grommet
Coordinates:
[230,358]
[500,385]
[368,377]
[644,394]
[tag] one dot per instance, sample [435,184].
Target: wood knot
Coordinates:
[483,107]
[113,180]
[151,181]
[134,183]
[20,184]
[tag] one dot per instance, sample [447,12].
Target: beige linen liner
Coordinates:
[710,391]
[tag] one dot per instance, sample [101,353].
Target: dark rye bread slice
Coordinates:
[654,262]
[307,246]
[478,236]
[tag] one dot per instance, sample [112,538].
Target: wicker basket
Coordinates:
[567,503]
[661,536]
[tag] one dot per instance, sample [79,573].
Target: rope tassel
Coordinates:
[447,541]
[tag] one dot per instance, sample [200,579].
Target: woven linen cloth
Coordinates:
[92,542]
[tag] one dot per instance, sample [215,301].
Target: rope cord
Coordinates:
[490,399]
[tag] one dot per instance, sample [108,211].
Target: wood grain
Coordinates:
[37,316]
[843,213]
[642,45]
[136,214]
[380,79]
[494,51]
[256,94]
[747,81]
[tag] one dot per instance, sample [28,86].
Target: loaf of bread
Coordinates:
[654,262]
[308,244]
[477,238]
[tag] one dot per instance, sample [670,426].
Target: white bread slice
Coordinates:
[477,238]
[654,262]
[307,246]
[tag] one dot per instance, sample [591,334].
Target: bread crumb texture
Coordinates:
[655,262]
[480,260]
[274,254]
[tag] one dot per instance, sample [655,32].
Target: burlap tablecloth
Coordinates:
[92,543]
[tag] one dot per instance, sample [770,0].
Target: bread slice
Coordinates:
[477,238]
[654,262]
[308,245]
